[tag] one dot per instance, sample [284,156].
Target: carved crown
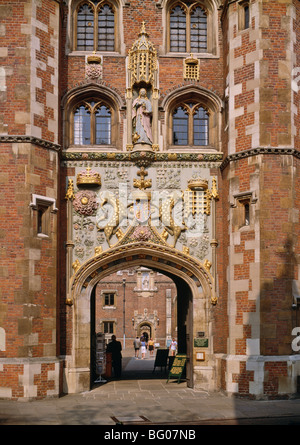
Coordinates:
[88,177]
[93,58]
[191,60]
[197,183]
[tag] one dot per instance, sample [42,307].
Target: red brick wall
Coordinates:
[296,96]
[222,233]
[28,262]
[274,371]
[243,379]
[17,57]
[275,97]
[17,39]
[278,258]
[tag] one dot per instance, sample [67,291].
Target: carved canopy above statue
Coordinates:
[142,59]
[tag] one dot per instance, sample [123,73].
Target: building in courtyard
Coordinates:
[157,139]
[136,303]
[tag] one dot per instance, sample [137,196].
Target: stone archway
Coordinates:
[145,329]
[197,293]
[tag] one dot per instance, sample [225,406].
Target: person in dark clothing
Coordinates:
[115,348]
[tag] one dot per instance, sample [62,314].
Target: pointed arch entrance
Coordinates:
[145,330]
[195,292]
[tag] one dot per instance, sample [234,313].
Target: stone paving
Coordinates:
[142,397]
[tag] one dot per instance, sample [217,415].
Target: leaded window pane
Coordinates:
[198,30]
[180,127]
[82,126]
[177,30]
[106,29]
[103,125]
[85,28]
[201,127]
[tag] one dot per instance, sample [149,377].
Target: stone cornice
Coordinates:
[128,156]
[159,156]
[23,139]
[259,151]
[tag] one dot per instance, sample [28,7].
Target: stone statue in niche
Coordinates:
[145,281]
[141,118]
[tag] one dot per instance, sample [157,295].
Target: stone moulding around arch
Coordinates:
[162,257]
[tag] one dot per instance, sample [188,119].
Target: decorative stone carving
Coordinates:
[142,184]
[143,158]
[93,67]
[88,177]
[98,250]
[142,59]
[114,176]
[197,197]
[167,219]
[76,266]
[141,233]
[70,192]
[191,68]
[142,95]
[85,202]
[168,178]
[207,264]
[109,215]
[214,159]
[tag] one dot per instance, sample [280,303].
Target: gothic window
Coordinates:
[95,23]
[91,124]
[188,27]
[190,125]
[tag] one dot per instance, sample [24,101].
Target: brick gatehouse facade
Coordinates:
[156,141]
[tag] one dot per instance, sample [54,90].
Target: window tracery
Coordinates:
[91,124]
[193,119]
[95,26]
[190,125]
[191,26]
[188,27]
